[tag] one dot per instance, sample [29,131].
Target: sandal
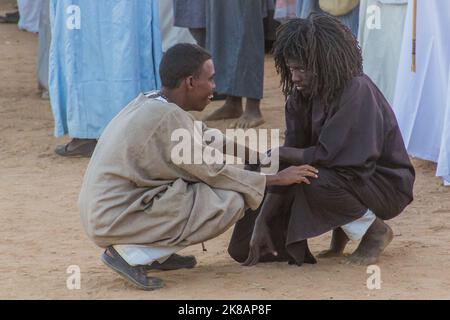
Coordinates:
[11,17]
[83,150]
[137,275]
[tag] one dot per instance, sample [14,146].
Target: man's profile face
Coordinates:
[301,78]
[203,87]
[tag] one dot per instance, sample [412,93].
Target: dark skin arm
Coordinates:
[261,243]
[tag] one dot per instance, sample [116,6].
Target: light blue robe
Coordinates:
[29,11]
[102,55]
[351,20]
[422,99]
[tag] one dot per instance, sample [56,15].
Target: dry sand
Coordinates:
[41,235]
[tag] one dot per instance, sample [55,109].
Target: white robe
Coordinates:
[422,99]
[380,35]
[171,35]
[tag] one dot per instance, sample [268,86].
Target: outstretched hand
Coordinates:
[260,244]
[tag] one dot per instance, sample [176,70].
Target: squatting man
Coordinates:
[338,121]
[143,207]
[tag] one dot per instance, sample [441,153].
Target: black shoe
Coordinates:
[12,17]
[174,262]
[84,149]
[135,274]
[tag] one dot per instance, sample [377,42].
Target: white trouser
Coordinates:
[355,230]
[136,255]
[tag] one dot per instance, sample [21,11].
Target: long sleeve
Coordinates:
[297,134]
[197,168]
[352,135]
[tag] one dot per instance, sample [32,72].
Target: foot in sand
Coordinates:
[230,110]
[376,239]
[252,116]
[338,242]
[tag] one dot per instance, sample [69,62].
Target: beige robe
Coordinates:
[133,193]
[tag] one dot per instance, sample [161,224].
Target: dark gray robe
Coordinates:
[189,13]
[356,145]
[235,38]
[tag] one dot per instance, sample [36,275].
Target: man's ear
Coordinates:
[189,82]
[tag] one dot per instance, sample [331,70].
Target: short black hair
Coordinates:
[181,61]
[325,47]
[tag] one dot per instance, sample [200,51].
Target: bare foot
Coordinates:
[252,116]
[376,239]
[338,242]
[247,121]
[230,110]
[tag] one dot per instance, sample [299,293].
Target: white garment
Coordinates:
[139,255]
[381,42]
[422,99]
[170,34]
[355,230]
[30,11]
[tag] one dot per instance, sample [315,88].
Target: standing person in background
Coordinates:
[285,10]
[235,37]
[102,55]
[422,97]
[380,37]
[191,14]
[347,11]
[270,28]
[29,11]
[170,33]
[45,37]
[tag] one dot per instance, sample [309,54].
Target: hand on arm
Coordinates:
[292,175]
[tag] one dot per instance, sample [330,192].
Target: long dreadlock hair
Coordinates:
[323,46]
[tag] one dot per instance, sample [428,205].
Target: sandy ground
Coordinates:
[41,234]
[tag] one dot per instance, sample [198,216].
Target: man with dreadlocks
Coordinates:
[340,123]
